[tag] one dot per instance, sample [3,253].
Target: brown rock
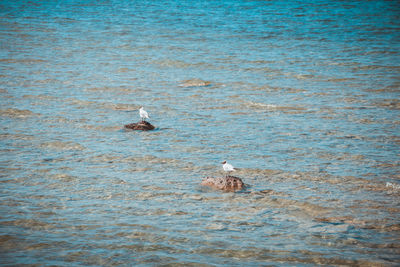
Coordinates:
[228,183]
[142,125]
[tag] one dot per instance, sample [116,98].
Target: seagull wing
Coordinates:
[228,167]
[144,114]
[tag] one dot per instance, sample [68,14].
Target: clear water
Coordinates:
[303,97]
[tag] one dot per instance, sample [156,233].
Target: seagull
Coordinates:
[143,114]
[227,167]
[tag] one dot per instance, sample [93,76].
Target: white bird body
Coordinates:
[143,114]
[227,167]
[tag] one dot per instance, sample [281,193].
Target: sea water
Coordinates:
[301,96]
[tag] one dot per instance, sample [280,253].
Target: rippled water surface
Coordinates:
[302,97]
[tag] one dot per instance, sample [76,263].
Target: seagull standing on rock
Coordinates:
[143,114]
[227,167]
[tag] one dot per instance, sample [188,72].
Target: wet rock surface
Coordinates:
[142,126]
[228,183]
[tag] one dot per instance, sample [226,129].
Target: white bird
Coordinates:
[227,167]
[143,114]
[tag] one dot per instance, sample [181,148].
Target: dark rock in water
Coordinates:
[228,183]
[142,125]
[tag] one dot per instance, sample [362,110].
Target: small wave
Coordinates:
[377,67]
[17,136]
[272,107]
[59,145]
[41,97]
[171,63]
[389,103]
[121,106]
[17,113]
[23,61]
[109,89]
[393,185]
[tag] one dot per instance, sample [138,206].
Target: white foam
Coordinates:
[393,185]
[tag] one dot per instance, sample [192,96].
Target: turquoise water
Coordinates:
[302,97]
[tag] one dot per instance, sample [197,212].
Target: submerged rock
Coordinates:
[142,125]
[228,183]
[194,83]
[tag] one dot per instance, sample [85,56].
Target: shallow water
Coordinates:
[303,98]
